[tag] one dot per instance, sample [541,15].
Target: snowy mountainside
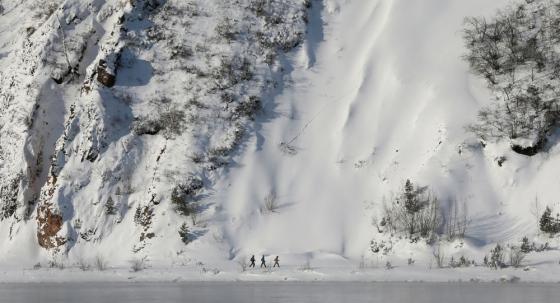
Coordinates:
[111,107]
[208,131]
[386,97]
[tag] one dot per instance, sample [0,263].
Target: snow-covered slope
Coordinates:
[111,108]
[377,93]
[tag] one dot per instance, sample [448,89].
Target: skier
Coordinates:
[252,261]
[263,262]
[276,260]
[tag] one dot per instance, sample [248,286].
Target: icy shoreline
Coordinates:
[539,274]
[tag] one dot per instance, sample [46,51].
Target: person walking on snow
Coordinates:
[252,261]
[263,262]
[276,260]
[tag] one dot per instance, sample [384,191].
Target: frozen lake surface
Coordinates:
[278,292]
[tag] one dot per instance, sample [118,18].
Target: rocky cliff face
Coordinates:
[117,116]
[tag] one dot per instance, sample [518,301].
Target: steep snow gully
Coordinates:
[377,92]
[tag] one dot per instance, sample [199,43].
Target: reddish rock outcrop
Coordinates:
[49,224]
[49,221]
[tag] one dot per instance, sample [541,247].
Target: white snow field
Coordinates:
[377,93]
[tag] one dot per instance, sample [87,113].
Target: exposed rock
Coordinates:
[49,224]
[529,150]
[104,76]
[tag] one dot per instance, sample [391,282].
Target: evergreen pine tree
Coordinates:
[525,245]
[546,223]
[497,257]
[410,198]
[110,208]
[184,233]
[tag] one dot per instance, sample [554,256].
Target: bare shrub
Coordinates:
[306,266]
[55,263]
[249,108]
[287,149]
[169,121]
[226,29]
[100,263]
[362,265]
[138,264]
[146,126]
[243,264]
[173,119]
[83,264]
[516,256]
[195,218]
[461,262]
[271,202]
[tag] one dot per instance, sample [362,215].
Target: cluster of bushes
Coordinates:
[417,213]
[183,199]
[549,224]
[461,262]
[414,212]
[497,257]
[8,197]
[279,31]
[170,122]
[517,53]
[143,216]
[224,71]
[226,67]
[183,196]
[384,247]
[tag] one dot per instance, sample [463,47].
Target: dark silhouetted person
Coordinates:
[252,261]
[276,260]
[263,262]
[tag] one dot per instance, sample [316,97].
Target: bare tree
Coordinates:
[439,256]
[519,65]
[271,202]
[456,220]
